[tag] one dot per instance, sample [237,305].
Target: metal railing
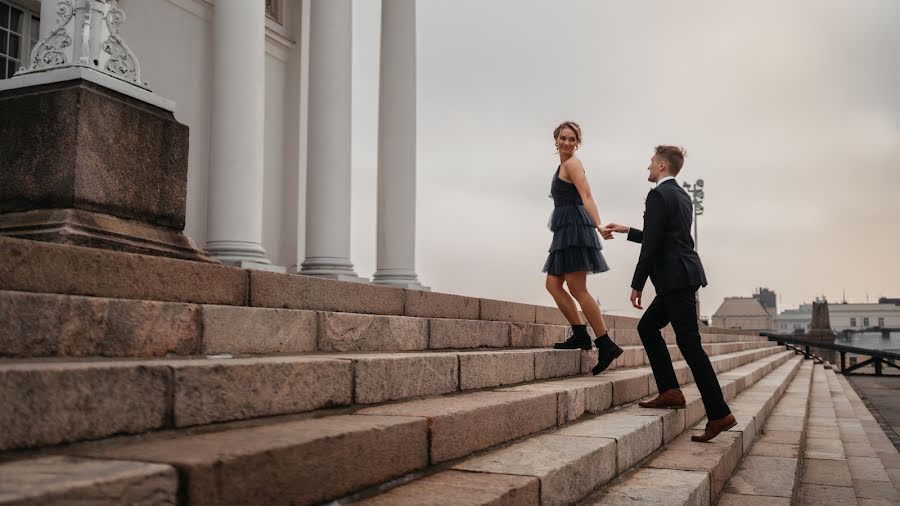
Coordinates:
[878,358]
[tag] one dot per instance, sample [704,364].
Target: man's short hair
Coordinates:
[673,155]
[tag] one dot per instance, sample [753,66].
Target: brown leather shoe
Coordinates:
[671,398]
[715,427]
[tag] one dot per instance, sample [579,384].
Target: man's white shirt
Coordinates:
[663,180]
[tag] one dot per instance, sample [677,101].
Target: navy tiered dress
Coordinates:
[576,245]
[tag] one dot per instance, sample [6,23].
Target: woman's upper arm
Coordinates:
[575,171]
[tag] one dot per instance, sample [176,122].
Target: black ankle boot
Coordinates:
[580,339]
[607,352]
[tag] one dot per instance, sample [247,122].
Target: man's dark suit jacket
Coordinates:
[667,249]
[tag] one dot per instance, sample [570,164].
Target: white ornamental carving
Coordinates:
[87,35]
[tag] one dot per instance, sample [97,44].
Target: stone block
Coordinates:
[625,337]
[463,424]
[339,332]
[867,468]
[504,311]
[556,363]
[656,487]
[552,316]
[440,305]
[293,291]
[830,449]
[774,450]
[629,386]
[43,325]
[574,396]
[672,419]
[751,500]
[458,488]
[636,436]
[446,333]
[787,423]
[791,437]
[626,323]
[527,335]
[380,378]
[876,490]
[494,368]
[71,480]
[770,476]
[826,494]
[718,457]
[101,273]
[569,468]
[208,391]
[51,403]
[307,461]
[826,472]
[245,330]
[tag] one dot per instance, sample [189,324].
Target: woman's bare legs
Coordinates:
[564,301]
[577,284]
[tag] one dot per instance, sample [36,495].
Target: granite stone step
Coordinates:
[55,401]
[573,460]
[46,325]
[312,460]
[769,472]
[685,472]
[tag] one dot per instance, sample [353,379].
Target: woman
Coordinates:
[575,249]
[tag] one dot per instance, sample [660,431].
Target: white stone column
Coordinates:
[397,147]
[234,227]
[328,150]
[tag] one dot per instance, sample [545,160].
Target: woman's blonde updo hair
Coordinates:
[571,125]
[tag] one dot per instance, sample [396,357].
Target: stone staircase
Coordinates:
[130,379]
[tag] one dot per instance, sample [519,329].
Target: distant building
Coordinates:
[843,316]
[768,299]
[864,316]
[888,300]
[794,321]
[746,313]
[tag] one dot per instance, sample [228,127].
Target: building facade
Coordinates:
[745,313]
[265,88]
[844,317]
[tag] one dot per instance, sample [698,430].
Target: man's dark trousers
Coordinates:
[680,308]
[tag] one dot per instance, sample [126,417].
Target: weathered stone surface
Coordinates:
[440,305]
[636,436]
[752,500]
[551,315]
[568,467]
[817,448]
[672,419]
[51,403]
[718,457]
[71,480]
[462,424]
[380,378]
[629,385]
[784,423]
[503,311]
[556,363]
[867,468]
[244,330]
[209,391]
[575,396]
[300,462]
[446,333]
[364,332]
[656,487]
[826,495]
[625,322]
[826,472]
[494,368]
[458,488]
[292,291]
[791,437]
[774,450]
[876,490]
[42,325]
[527,335]
[101,273]
[625,337]
[770,476]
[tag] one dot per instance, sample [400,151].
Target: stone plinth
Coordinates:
[87,165]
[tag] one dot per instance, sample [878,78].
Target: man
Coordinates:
[669,260]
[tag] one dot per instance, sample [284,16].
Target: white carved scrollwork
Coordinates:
[87,34]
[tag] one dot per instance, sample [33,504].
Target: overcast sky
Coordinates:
[789,110]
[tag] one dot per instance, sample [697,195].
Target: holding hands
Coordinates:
[609,228]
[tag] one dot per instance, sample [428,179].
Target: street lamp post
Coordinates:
[696,191]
